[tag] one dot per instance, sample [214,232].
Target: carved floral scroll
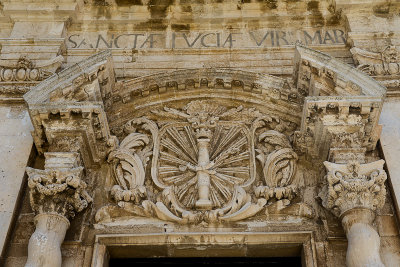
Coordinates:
[203,164]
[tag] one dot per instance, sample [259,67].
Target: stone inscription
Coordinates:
[218,39]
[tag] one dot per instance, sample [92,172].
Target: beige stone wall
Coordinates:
[15,151]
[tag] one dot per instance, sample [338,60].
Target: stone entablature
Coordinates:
[125,118]
[202,159]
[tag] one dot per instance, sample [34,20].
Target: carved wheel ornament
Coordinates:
[203,164]
[204,159]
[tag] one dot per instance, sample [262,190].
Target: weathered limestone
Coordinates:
[353,193]
[45,243]
[390,120]
[363,240]
[191,133]
[15,152]
[204,162]
[56,194]
[31,43]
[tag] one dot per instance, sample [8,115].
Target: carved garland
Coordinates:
[203,164]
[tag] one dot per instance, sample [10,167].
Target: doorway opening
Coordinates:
[269,249]
[220,261]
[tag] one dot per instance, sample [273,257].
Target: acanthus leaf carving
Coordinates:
[354,185]
[203,164]
[129,169]
[58,189]
[279,167]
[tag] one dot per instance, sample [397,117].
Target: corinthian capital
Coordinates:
[354,185]
[58,188]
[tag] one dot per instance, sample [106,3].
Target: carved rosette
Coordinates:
[354,185]
[203,164]
[58,188]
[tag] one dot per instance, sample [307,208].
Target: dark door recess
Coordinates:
[239,261]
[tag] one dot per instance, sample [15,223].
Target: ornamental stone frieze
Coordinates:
[383,65]
[208,146]
[16,78]
[385,62]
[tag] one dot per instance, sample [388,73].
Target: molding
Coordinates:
[312,65]
[67,110]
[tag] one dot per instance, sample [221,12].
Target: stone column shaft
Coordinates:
[203,178]
[363,240]
[44,244]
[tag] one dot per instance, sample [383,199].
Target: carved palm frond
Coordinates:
[179,163]
[279,166]
[275,138]
[129,169]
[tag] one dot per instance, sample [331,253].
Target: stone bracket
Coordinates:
[67,109]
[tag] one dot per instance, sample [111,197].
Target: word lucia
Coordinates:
[199,40]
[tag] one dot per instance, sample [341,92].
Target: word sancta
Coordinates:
[199,40]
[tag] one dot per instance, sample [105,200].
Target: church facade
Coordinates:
[231,130]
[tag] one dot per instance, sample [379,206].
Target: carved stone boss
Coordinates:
[56,194]
[203,165]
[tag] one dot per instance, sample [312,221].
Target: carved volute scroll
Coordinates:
[56,194]
[129,162]
[203,165]
[279,166]
[216,147]
[355,185]
[354,191]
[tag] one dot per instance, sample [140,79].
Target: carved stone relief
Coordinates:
[383,65]
[56,194]
[353,193]
[203,164]
[386,62]
[354,185]
[18,77]
[211,160]
[61,180]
